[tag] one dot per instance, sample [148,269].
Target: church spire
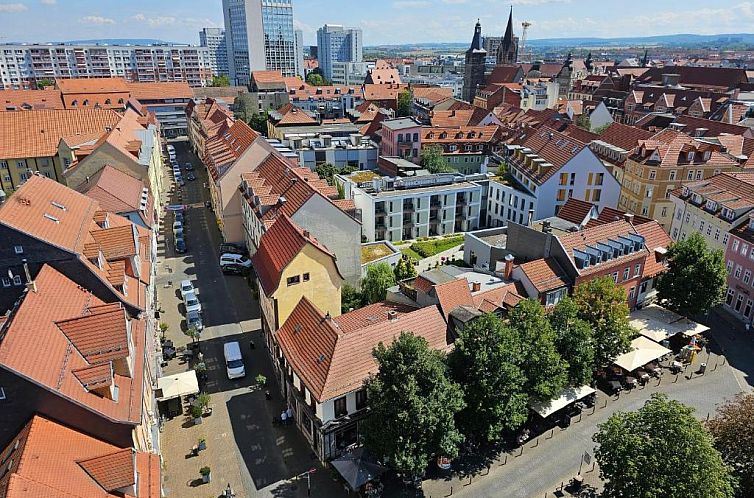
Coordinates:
[508,38]
[476,42]
[507,53]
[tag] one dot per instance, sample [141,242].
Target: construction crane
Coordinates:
[522,48]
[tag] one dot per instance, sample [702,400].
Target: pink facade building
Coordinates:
[739,259]
[401,138]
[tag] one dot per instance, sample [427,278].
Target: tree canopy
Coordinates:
[221,80]
[696,279]
[327,171]
[243,107]
[574,341]
[316,79]
[45,83]
[432,160]
[350,298]
[544,369]
[404,104]
[404,269]
[484,362]
[602,304]
[733,430]
[413,405]
[661,450]
[379,278]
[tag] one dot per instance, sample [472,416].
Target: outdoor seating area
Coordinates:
[567,404]
[361,472]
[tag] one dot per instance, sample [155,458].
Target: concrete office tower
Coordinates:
[337,44]
[259,36]
[214,39]
[300,53]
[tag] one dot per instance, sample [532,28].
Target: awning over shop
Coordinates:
[565,398]
[358,467]
[658,323]
[177,385]
[642,352]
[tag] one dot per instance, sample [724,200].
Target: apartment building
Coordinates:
[467,149]
[168,101]
[395,208]
[539,95]
[349,73]
[660,165]
[712,207]
[401,138]
[545,169]
[259,35]
[354,151]
[214,40]
[337,44]
[23,65]
[739,259]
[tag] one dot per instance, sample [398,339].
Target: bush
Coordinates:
[261,380]
[429,248]
[196,411]
[205,471]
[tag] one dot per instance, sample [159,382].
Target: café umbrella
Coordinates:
[358,467]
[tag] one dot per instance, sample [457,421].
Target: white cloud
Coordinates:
[13,7]
[410,4]
[96,20]
[139,17]
[161,21]
[49,2]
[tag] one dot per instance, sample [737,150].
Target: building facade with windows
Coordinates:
[467,149]
[712,207]
[401,138]
[545,170]
[23,65]
[214,40]
[259,35]
[336,43]
[739,260]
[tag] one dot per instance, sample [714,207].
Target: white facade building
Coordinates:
[22,65]
[337,44]
[259,36]
[299,38]
[397,208]
[214,40]
[349,73]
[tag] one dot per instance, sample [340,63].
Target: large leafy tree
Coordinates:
[350,299]
[404,269]
[545,371]
[484,362]
[433,161]
[574,341]
[221,80]
[315,79]
[733,430]
[375,284]
[413,405]
[660,451]
[696,277]
[404,104]
[327,171]
[243,107]
[602,304]
[258,122]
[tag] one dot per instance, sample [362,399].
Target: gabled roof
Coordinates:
[624,136]
[332,362]
[453,293]
[552,146]
[545,274]
[119,192]
[714,128]
[654,237]
[222,150]
[290,115]
[600,234]
[92,85]
[575,210]
[55,461]
[279,245]
[505,74]
[504,296]
[22,100]
[160,90]
[116,242]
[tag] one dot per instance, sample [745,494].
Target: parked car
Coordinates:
[189,166]
[233,360]
[192,303]
[178,216]
[234,259]
[190,177]
[233,269]
[180,245]
[178,234]
[187,288]
[181,182]
[177,225]
[230,248]
[194,319]
[171,148]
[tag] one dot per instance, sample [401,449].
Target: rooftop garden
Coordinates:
[372,252]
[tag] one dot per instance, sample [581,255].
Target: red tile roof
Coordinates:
[222,150]
[382,75]
[654,237]
[714,128]
[13,100]
[55,461]
[118,192]
[370,315]
[600,233]
[160,90]
[279,245]
[290,115]
[671,148]
[452,294]
[332,362]
[575,210]
[545,274]
[92,85]
[624,136]
[505,74]
[504,296]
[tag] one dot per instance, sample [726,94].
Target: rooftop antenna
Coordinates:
[525,27]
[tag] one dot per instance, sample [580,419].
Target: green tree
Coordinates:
[404,104]
[733,430]
[221,80]
[374,286]
[602,304]
[545,371]
[350,298]
[45,83]
[432,160]
[661,450]
[484,363]
[404,269]
[327,171]
[243,107]
[413,405]
[583,121]
[574,341]
[696,279]
[193,333]
[258,122]
[316,79]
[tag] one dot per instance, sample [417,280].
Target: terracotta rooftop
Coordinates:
[371,314]
[332,362]
[160,91]
[461,134]
[432,93]
[35,332]
[575,210]
[654,237]
[17,100]
[118,192]
[552,146]
[600,234]
[290,115]
[382,75]
[670,148]
[504,296]
[504,74]
[55,461]
[116,242]
[714,128]
[624,136]
[382,92]
[279,245]
[37,133]
[453,293]
[223,149]
[728,190]
[545,274]
[92,85]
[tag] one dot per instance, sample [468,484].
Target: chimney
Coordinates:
[508,266]
[392,315]
[30,284]
[545,226]
[306,234]
[628,217]
[530,218]
[328,316]
[476,286]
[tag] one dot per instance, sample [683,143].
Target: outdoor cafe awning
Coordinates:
[566,397]
[642,351]
[658,323]
[177,385]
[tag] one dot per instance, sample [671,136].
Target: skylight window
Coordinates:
[51,218]
[58,205]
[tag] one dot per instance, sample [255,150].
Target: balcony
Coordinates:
[408,207]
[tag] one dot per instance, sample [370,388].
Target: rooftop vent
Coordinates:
[51,218]
[58,205]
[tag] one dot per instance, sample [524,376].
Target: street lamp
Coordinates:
[308,474]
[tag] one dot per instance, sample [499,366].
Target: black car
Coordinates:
[189,166]
[190,177]
[233,269]
[230,248]
[180,246]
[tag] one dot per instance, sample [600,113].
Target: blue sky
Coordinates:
[383,21]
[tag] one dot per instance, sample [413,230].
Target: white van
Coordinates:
[233,360]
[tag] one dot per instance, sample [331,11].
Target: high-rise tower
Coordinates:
[473,74]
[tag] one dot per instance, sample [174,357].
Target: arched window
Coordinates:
[86,101]
[120,101]
[74,103]
[107,102]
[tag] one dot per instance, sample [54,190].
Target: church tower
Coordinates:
[507,53]
[473,73]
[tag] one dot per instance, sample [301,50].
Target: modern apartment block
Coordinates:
[214,40]
[299,37]
[259,35]
[337,44]
[23,65]
[407,208]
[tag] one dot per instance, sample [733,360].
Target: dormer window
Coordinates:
[697,199]
[711,206]
[707,155]
[690,156]
[728,213]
